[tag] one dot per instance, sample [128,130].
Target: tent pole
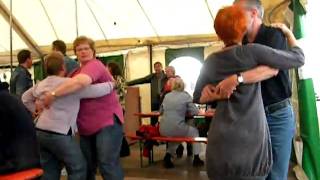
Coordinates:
[17,27]
[150,57]
[11,58]
[76,16]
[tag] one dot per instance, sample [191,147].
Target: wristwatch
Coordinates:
[240,78]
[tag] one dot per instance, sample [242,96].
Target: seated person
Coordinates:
[174,108]
[170,76]
[57,124]
[18,144]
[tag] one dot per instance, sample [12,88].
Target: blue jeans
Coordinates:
[282,129]
[58,150]
[103,150]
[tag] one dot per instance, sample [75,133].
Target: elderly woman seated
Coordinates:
[174,108]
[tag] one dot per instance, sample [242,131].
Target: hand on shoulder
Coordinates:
[282,27]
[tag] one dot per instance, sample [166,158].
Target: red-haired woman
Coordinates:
[238,140]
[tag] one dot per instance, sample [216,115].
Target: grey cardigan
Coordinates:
[238,139]
[62,114]
[174,108]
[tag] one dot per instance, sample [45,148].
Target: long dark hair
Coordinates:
[115,70]
[4,86]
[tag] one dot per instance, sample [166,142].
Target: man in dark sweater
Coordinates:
[157,81]
[71,64]
[18,145]
[276,91]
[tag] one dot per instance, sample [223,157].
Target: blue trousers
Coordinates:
[103,150]
[282,129]
[58,150]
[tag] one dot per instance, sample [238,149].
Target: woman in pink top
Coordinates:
[99,119]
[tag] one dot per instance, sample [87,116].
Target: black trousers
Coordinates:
[155,106]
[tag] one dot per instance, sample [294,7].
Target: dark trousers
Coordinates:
[155,106]
[103,150]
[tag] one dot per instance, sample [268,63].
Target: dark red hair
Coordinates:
[231,24]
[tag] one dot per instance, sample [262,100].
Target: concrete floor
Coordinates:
[183,167]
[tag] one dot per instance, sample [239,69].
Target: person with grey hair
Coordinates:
[170,73]
[252,4]
[174,108]
[276,91]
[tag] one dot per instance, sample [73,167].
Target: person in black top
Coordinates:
[4,86]
[276,91]
[18,145]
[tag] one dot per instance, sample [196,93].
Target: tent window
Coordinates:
[188,68]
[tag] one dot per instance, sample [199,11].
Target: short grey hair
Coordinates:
[253,4]
[172,68]
[178,84]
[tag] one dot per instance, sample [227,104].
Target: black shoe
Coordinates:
[197,162]
[179,151]
[167,161]
[189,149]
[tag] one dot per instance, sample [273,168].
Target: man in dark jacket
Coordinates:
[21,78]
[157,80]
[18,145]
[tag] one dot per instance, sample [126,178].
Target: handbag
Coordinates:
[125,149]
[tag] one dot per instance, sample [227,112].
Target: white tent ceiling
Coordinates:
[113,24]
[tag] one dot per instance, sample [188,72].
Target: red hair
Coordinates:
[231,24]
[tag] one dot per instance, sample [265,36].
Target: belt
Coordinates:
[56,133]
[276,106]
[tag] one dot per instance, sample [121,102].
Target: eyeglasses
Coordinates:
[83,49]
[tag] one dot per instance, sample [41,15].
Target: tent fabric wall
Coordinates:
[138,63]
[196,52]
[137,66]
[105,21]
[118,59]
[143,23]
[39,72]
